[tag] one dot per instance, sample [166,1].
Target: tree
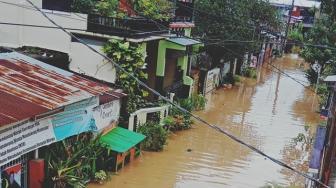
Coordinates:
[131,57]
[320,47]
[329,7]
[83,6]
[154,9]
[108,7]
[240,20]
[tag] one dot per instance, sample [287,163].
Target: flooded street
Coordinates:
[267,113]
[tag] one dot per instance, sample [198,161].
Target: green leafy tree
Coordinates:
[156,136]
[108,7]
[154,9]
[318,40]
[240,20]
[329,7]
[83,6]
[296,33]
[131,57]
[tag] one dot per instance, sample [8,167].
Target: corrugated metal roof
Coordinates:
[183,41]
[29,87]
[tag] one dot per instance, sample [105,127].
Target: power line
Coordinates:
[207,13]
[228,42]
[31,8]
[85,20]
[67,17]
[51,27]
[261,42]
[180,108]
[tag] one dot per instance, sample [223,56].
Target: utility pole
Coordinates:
[287,26]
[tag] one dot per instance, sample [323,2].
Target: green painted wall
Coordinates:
[182,61]
[162,49]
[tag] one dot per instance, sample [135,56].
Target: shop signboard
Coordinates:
[106,114]
[75,119]
[19,139]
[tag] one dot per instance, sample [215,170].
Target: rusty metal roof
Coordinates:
[29,87]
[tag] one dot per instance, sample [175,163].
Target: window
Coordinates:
[58,5]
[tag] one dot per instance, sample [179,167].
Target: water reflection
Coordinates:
[267,113]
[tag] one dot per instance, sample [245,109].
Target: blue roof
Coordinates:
[184,41]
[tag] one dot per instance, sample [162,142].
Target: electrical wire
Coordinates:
[192,9]
[226,41]
[153,33]
[240,55]
[180,108]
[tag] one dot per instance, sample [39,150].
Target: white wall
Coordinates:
[84,61]
[18,11]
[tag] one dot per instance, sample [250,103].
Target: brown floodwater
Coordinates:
[268,113]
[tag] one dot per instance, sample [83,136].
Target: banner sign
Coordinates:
[19,139]
[212,80]
[84,116]
[76,118]
[106,114]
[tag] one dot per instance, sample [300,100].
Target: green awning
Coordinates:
[183,41]
[121,140]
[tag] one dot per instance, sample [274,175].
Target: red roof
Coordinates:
[29,87]
[181,25]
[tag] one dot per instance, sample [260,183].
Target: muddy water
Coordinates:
[268,113]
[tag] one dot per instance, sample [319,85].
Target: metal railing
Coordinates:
[176,86]
[127,27]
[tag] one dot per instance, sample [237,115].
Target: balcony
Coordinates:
[124,27]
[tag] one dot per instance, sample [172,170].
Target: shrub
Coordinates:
[250,72]
[131,57]
[177,123]
[182,121]
[156,136]
[198,101]
[296,49]
[100,176]
[323,92]
[236,78]
[195,102]
[311,75]
[72,162]
[155,9]
[83,6]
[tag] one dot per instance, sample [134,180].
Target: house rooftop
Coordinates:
[300,3]
[29,88]
[330,78]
